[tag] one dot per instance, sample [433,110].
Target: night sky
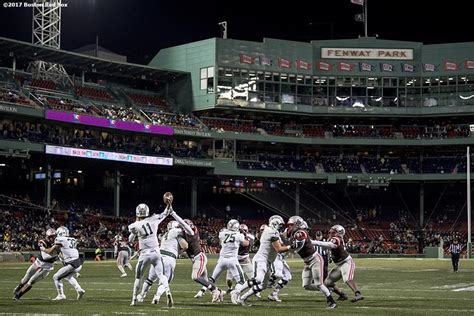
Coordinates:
[140,28]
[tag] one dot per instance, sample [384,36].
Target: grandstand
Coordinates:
[293,119]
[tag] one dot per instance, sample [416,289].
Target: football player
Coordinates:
[345,266]
[66,247]
[313,270]
[270,246]
[145,228]
[40,268]
[199,259]
[231,241]
[122,252]
[171,242]
[243,257]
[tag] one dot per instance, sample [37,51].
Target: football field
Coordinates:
[390,286]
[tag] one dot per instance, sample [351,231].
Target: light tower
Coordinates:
[47,32]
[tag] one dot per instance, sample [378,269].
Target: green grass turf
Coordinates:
[390,287]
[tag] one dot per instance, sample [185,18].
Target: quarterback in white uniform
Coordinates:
[171,243]
[145,228]
[270,246]
[231,240]
[40,268]
[72,263]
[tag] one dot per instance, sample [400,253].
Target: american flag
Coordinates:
[324,66]
[246,59]
[284,63]
[344,66]
[469,64]
[264,61]
[301,64]
[429,67]
[386,67]
[365,67]
[408,67]
[449,65]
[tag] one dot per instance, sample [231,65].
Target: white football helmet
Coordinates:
[244,228]
[171,225]
[337,230]
[50,232]
[142,210]
[62,232]
[304,225]
[233,225]
[294,222]
[276,222]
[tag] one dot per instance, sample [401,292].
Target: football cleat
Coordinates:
[332,305]
[274,297]
[357,297]
[234,297]
[80,294]
[155,299]
[17,289]
[60,297]
[169,300]
[123,275]
[134,302]
[259,295]
[140,298]
[243,302]
[199,294]
[342,297]
[217,296]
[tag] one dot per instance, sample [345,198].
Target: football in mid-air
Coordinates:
[168,198]
[300,235]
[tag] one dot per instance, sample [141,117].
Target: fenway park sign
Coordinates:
[367,53]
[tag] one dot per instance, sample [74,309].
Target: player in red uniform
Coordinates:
[313,279]
[345,266]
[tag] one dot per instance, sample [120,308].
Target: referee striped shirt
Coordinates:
[323,252]
[455,248]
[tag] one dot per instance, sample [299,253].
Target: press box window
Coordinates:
[207,79]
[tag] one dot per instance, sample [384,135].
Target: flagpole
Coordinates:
[365,17]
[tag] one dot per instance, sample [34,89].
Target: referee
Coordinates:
[455,250]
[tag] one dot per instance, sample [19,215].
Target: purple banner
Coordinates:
[59,116]
[92,120]
[104,122]
[158,129]
[129,126]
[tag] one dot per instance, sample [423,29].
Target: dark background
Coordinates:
[140,28]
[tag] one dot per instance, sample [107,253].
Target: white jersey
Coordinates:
[266,250]
[230,243]
[68,248]
[146,230]
[170,242]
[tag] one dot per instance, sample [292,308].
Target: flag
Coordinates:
[386,67]
[344,66]
[429,67]
[469,64]
[365,67]
[359,17]
[301,64]
[449,65]
[284,63]
[359,2]
[324,66]
[246,59]
[408,67]
[264,61]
